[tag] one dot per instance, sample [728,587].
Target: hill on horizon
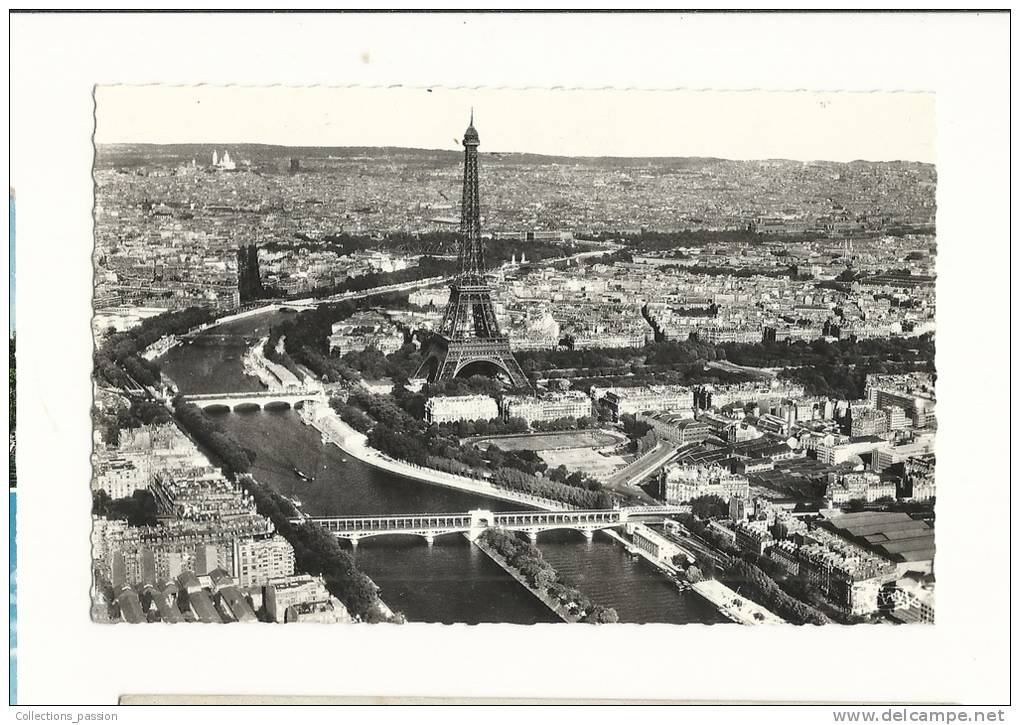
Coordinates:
[137,154]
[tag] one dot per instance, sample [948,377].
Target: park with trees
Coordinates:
[393,426]
[540,575]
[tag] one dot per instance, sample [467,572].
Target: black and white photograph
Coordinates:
[374,381]
[533,358]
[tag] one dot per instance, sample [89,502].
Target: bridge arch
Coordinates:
[217,408]
[428,535]
[246,406]
[278,405]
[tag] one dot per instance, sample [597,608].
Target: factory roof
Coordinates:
[892,534]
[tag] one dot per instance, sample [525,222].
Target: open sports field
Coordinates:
[586,460]
[550,441]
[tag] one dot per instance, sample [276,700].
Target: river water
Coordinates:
[451,581]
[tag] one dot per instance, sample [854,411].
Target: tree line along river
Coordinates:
[451,581]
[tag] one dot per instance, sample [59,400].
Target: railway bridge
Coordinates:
[473,523]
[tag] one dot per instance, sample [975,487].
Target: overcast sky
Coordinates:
[728,124]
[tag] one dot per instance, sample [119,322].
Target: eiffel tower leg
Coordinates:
[425,369]
[432,363]
[447,368]
[451,363]
[513,370]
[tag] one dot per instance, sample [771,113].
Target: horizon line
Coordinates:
[520,153]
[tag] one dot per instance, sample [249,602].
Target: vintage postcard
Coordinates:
[513,356]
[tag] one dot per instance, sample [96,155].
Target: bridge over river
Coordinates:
[285,397]
[473,523]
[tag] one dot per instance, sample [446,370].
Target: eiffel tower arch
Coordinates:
[446,360]
[469,339]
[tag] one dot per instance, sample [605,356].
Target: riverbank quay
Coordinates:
[723,599]
[726,601]
[558,609]
[255,364]
[355,444]
[666,568]
[733,606]
[272,375]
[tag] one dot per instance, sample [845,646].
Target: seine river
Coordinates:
[451,581]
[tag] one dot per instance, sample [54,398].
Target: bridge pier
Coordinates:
[533,537]
[430,539]
[354,543]
[588,534]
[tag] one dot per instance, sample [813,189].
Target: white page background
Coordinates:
[64,658]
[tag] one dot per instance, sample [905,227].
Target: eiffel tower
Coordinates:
[469,340]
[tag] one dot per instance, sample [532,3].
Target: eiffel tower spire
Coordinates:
[469,340]
[472,260]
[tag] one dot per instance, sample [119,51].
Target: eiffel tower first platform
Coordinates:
[469,340]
